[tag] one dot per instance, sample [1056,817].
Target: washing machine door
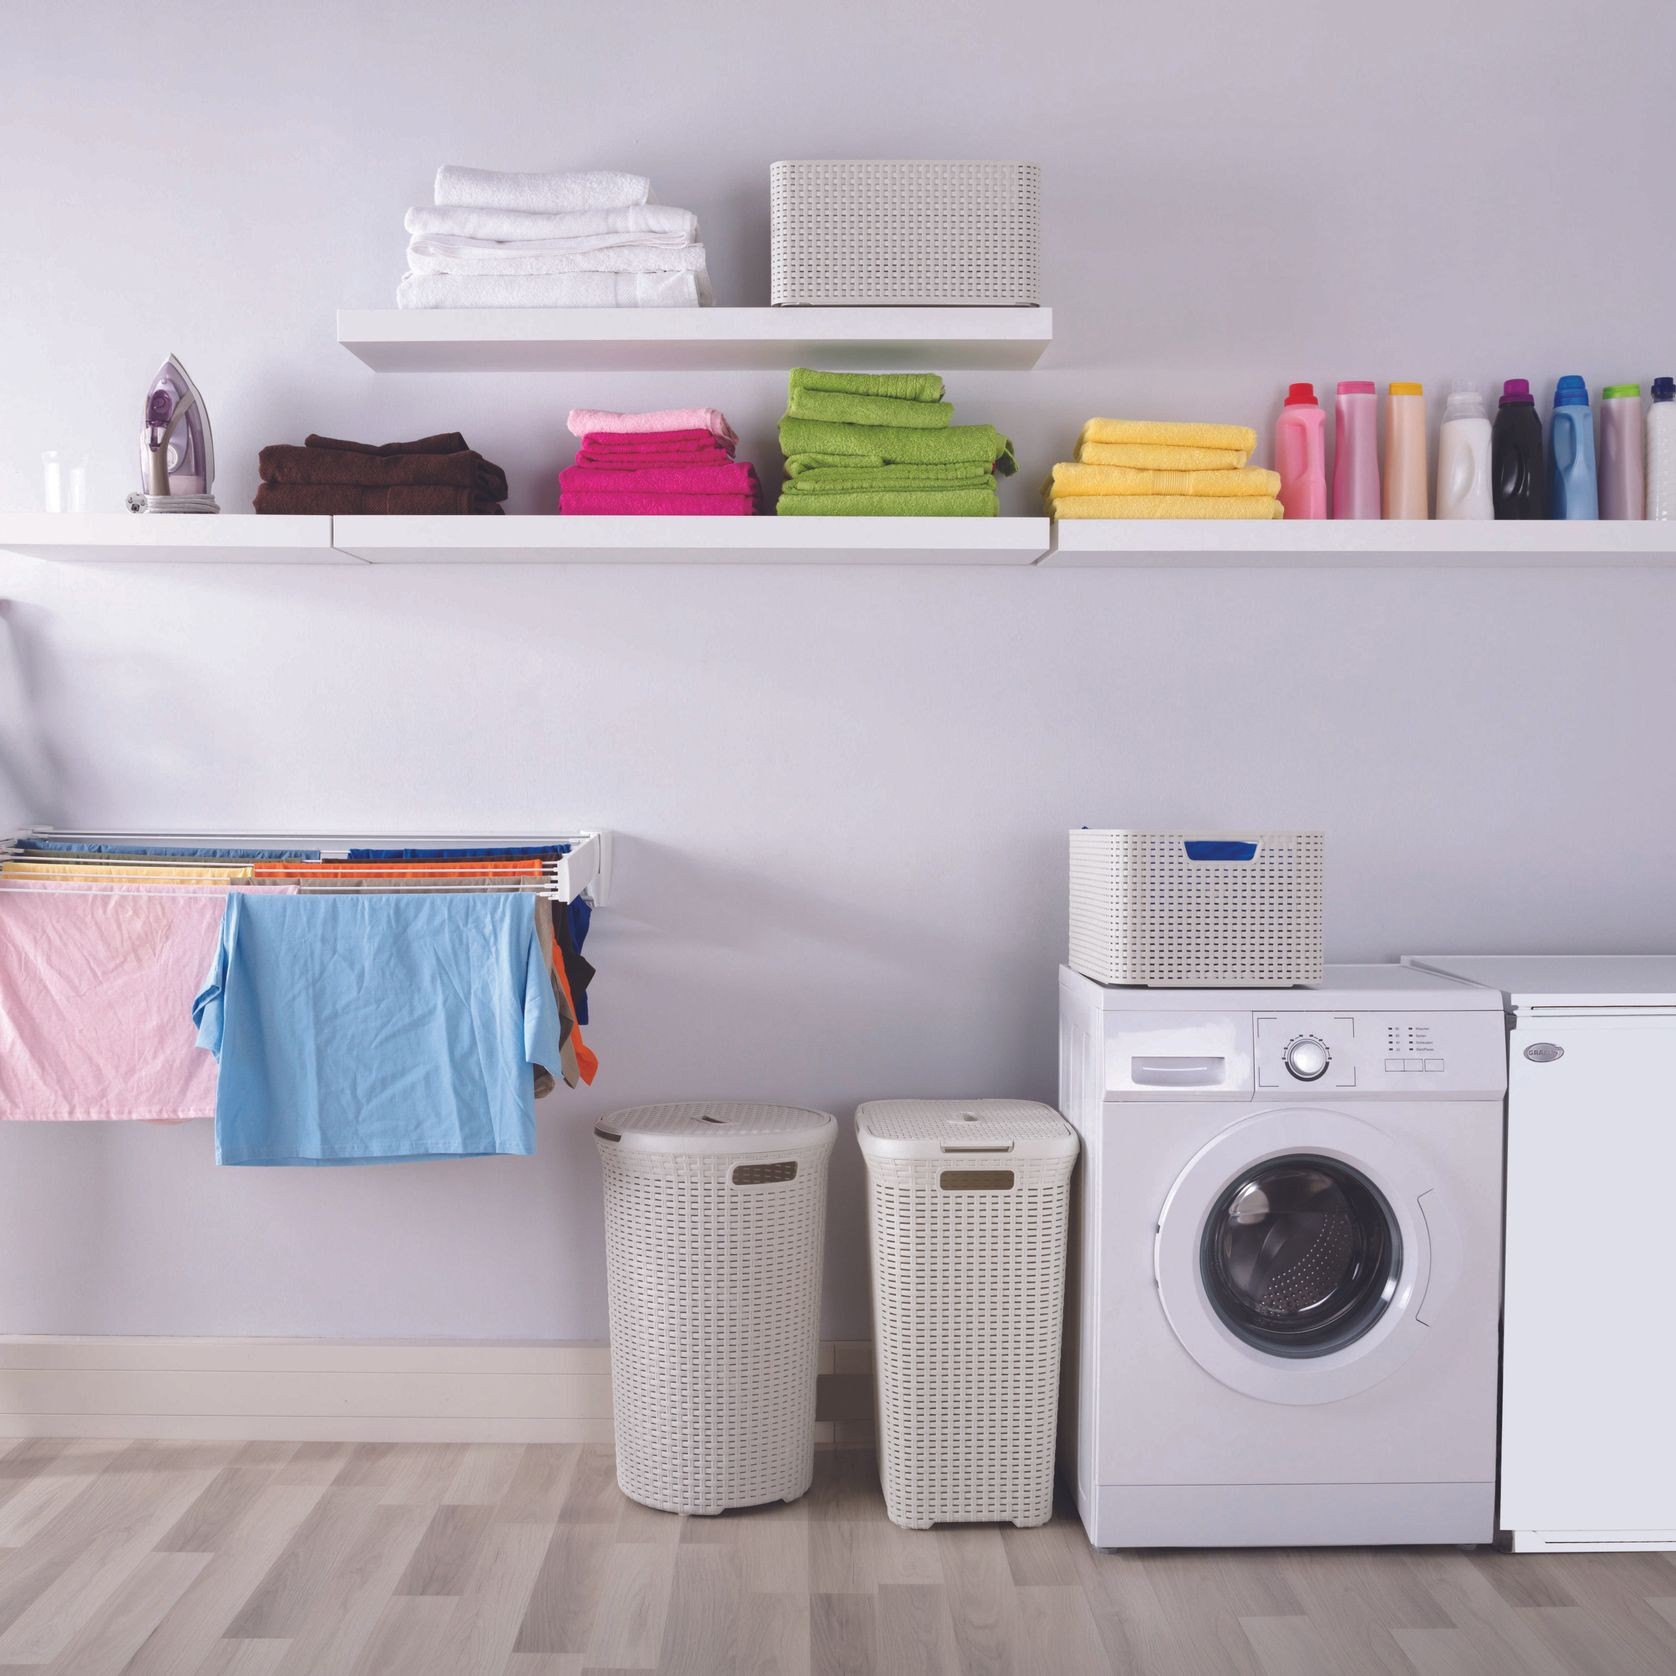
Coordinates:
[1297,1255]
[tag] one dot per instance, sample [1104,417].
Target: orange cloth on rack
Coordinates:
[587,1061]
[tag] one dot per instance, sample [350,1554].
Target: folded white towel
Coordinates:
[643,223]
[610,290]
[546,194]
[444,255]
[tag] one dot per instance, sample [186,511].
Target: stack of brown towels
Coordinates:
[436,474]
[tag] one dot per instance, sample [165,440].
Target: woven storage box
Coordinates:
[968,1205]
[904,233]
[714,1215]
[1196,909]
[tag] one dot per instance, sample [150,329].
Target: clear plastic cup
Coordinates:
[64,480]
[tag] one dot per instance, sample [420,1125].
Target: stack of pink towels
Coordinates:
[678,462]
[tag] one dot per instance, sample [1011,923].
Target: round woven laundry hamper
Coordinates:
[714,1219]
[969,1205]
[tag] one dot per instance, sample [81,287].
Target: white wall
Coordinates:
[842,794]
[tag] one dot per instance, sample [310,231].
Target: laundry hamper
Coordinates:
[1196,910]
[968,1203]
[714,1215]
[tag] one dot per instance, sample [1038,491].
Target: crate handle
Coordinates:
[996,1146]
[1219,849]
[759,1175]
[1169,1070]
[975,1181]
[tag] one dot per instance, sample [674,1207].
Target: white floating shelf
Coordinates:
[1359,545]
[699,339]
[169,538]
[552,539]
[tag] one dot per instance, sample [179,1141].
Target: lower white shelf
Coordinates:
[652,540]
[169,538]
[1157,544]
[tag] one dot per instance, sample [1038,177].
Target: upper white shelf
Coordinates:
[1356,545]
[169,538]
[700,339]
[545,539]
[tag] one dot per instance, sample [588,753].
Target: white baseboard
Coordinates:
[317,1389]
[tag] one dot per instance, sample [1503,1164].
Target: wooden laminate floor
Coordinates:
[208,1559]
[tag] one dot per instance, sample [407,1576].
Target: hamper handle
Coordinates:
[1219,849]
[975,1181]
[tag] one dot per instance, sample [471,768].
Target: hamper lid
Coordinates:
[717,1126]
[938,1128]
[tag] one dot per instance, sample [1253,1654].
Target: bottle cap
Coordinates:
[1664,389]
[1613,391]
[1408,389]
[1517,391]
[1571,391]
[1300,395]
[1465,402]
[1356,387]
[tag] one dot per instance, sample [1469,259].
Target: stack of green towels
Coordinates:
[880,445]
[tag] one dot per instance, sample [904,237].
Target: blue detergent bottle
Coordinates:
[1573,489]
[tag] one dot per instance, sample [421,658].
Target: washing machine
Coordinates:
[1282,1322]
[1588,1358]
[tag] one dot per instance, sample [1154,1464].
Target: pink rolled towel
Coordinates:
[586,420]
[620,463]
[657,442]
[597,502]
[732,478]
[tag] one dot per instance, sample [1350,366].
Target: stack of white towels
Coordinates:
[589,239]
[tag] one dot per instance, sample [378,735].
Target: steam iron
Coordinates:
[177,452]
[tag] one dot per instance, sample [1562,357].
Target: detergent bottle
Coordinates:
[1405,453]
[1572,490]
[1623,466]
[1356,450]
[1463,458]
[1518,471]
[1300,453]
[1661,450]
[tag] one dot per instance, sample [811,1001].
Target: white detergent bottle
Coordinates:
[1661,450]
[1463,457]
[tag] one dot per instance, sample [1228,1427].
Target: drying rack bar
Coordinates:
[585,870]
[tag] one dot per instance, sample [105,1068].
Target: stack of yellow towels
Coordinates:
[1151,468]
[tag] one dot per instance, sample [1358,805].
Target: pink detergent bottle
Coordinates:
[1300,454]
[1356,460]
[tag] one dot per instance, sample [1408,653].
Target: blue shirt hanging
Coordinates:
[364,1028]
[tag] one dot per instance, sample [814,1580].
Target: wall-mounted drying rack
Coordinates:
[583,870]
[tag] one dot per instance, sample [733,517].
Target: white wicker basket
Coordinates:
[1196,909]
[914,233]
[968,1203]
[714,1215]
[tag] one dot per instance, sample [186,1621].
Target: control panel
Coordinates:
[1391,1053]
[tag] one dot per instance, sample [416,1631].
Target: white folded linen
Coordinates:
[643,223]
[444,255]
[597,290]
[571,189]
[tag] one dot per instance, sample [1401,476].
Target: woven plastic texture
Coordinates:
[905,233]
[1144,912]
[961,1123]
[968,1303]
[714,1295]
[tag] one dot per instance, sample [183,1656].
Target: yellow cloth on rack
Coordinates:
[1075,479]
[1158,456]
[1163,506]
[104,870]
[1171,434]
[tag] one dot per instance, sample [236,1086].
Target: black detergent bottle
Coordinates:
[1517,477]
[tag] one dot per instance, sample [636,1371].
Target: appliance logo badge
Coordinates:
[1544,1053]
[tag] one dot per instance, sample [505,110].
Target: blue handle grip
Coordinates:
[1219,849]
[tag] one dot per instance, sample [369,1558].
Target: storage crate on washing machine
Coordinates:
[1196,909]
[968,1210]
[714,1214]
[929,233]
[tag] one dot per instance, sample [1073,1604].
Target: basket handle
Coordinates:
[1219,849]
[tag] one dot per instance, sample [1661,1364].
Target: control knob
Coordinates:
[1306,1057]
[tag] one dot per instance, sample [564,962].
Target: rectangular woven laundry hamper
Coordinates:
[968,1205]
[714,1219]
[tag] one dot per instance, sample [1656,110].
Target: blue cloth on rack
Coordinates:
[62,846]
[360,1029]
[516,852]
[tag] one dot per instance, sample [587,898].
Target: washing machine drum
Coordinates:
[1301,1255]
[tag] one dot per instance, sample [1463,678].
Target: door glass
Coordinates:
[1301,1255]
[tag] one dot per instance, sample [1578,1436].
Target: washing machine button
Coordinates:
[1307,1058]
